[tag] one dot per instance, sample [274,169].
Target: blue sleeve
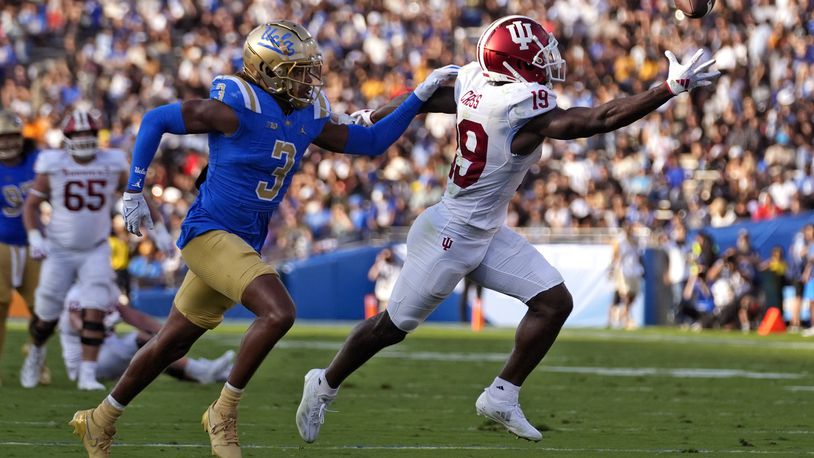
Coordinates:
[157,122]
[374,140]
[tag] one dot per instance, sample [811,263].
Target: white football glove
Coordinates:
[437,78]
[362,117]
[681,77]
[341,118]
[135,212]
[163,240]
[37,245]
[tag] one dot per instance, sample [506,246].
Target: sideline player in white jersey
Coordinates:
[81,183]
[117,350]
[505,109]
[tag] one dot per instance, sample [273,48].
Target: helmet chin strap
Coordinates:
[514,72]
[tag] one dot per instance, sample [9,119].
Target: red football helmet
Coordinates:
[80,129]
[519,49]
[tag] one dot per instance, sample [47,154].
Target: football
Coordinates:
[695,8]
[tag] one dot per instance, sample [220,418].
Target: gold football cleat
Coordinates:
[222,429]
[96,439]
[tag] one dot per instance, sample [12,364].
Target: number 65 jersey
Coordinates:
[485,174]
[81,196]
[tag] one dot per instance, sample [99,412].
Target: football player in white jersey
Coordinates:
[81,183]
[117,350]
[505,109]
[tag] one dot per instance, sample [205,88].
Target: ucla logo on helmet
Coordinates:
[273,40]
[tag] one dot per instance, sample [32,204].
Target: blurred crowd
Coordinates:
[740,149]
[735,287]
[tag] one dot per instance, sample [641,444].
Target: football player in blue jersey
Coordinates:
[260,122]
[19,264]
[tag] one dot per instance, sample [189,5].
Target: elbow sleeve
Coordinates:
[374,140]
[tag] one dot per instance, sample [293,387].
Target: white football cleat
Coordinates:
[314,404]
[507,414]
[32,367]
[219,365]
[89,385]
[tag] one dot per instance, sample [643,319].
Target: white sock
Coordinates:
[324,388]
[504,391]
[114,403]
[37,352]
[229,387]
[87,370]
[196,369]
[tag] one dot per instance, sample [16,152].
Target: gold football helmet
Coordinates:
[11,135]
[284,59]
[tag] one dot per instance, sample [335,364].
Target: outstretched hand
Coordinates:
[684,77]
[436,79]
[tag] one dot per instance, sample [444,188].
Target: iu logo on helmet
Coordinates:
[521,34]
[446,243]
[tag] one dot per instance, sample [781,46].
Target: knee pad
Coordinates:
[92,327]
[41,330]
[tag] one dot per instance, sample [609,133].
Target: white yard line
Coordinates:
[681,372]
[799,388]
[411,447]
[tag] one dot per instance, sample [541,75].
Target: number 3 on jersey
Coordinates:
[287,152]
[471,157]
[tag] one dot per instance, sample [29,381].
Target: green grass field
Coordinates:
[599,393]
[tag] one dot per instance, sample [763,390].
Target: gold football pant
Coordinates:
[221,266]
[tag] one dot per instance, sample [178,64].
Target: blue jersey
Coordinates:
[15,182]
[250,170]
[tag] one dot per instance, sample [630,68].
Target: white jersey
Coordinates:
[81,196]
[485,174]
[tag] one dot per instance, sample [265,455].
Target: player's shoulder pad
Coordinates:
[48,160]
[322,107]
[115,157]
[527,101]
[235,92]
[468,70]
[465,74]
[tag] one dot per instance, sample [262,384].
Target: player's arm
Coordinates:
[139,320]
[375,139]
[581,122]
[32,216]
[442,101]
[190,117]
[578,122]
[39,193]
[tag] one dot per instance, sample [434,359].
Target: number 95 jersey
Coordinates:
[251,169]
[485,174]
[81,196]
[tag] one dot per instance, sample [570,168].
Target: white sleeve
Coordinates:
[529,101]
